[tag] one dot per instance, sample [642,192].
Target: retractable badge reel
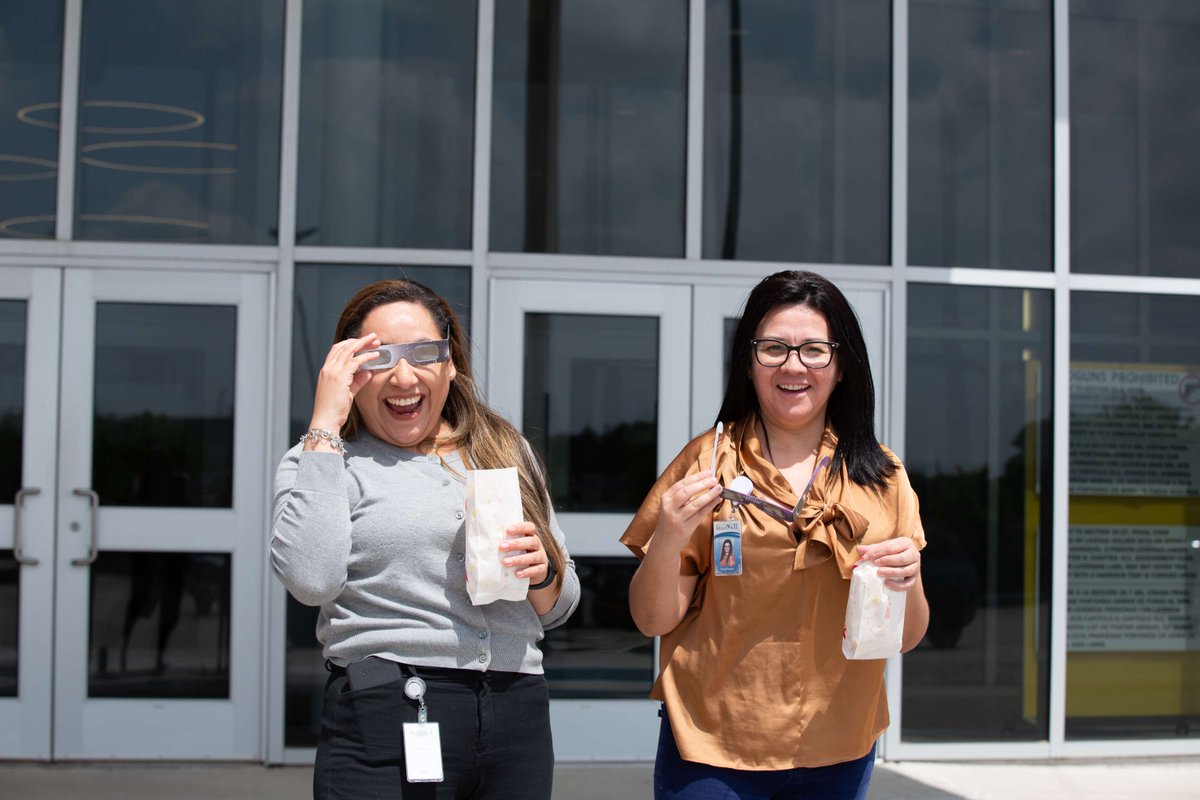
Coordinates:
[727,533]
[422,741]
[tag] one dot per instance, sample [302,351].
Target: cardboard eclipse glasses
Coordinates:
[415,353]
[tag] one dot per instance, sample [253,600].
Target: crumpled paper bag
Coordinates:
[493,503]
[874,616]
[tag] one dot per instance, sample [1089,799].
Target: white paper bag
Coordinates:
[874,616]
[493,503]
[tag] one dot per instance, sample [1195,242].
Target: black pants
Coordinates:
[495,734]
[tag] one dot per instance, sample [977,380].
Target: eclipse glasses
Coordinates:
[415,353]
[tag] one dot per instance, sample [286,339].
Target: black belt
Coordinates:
[409,670]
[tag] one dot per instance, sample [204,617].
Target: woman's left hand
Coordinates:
[533,563]
[898,560]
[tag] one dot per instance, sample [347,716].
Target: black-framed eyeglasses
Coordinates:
[814,353]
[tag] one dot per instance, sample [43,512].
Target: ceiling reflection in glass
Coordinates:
[179,121]
[30,67]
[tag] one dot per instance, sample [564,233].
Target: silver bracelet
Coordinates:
[317,434]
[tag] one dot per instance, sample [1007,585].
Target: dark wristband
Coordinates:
[549,579]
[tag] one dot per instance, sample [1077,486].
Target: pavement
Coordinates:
[1144,779]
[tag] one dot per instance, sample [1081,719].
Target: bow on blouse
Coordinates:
[828,529]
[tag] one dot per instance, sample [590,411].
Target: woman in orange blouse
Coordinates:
[759,700]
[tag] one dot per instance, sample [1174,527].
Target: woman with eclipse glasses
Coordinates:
[369,525]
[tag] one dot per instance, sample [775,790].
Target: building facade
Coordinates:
[1007,190]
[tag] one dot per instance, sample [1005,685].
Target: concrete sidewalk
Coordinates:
[1165,779]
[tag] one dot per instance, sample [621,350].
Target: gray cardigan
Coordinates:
[376,539]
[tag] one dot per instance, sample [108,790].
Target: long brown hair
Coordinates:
[483,438]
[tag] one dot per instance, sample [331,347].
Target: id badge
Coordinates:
[422,752]
[727,547]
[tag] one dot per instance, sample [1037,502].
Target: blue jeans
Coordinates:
[676,779]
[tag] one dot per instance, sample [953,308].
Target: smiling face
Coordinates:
[403,405]
[793,397]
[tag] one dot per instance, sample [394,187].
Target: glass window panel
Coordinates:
[304,689]
[321,292]
[979,458]
[12,395]
[387,123]
[10,610]
[164,400]
[599,652]
[1133,568]
[980,183]
[591,407]
[797,130]
[589,122]
[1135,121]
[30,72]
[159,625]
[179,121]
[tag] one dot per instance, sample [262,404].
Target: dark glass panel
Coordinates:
[599,652]
[1135,121]
[589,123]
[980,187]
[591,407]
[164,400]
[30,72]
[12,395]
[321,292]
[179,121]
[159,625]
[797,130]
[978,439]
[1133,568]
[387,123]
[10,614]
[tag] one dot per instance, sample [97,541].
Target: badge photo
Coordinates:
[727,547]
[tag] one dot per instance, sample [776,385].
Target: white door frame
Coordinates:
[161,728]
[25,719]
[600,729]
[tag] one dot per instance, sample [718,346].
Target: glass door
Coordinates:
[160,516]
[596,376]
[29,330]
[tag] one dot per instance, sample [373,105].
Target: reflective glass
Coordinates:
[1133,566]
[10,608]
[979,456]
[591,407]
[1135,121]
[159,625]
[321,291]
[387,123]
[179,108]
[12,395]
[797,130]
[980,186]
[304,687]
[599,652]
[30,70]
[163,408]
[589,121]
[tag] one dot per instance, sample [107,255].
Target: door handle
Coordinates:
[18,501]
[94,504]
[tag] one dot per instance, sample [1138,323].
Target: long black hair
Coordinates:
[851,408]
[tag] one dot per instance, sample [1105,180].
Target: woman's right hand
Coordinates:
[339,381]
[684,506]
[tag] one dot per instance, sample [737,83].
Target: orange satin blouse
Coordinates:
[753,677]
